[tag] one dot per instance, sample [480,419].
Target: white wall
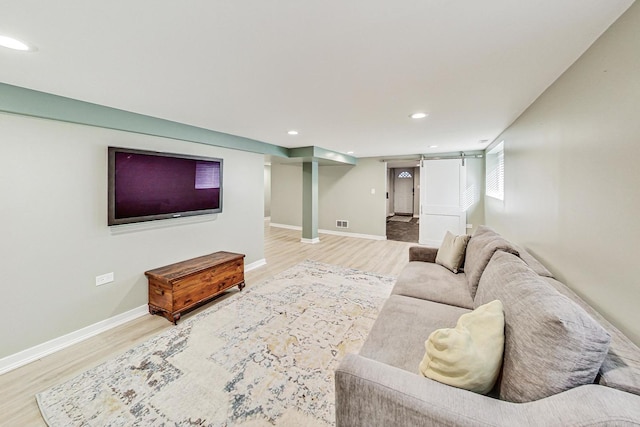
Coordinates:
[55,238]
[571,179]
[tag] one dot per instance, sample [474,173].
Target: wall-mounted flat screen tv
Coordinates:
[146,185]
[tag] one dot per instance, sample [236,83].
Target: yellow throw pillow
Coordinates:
[468,356]
[451,253]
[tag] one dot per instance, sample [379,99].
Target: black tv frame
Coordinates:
[111,167]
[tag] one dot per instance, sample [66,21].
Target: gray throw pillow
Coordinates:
[551,344]
[451,253]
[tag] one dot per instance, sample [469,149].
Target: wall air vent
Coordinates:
[342,223]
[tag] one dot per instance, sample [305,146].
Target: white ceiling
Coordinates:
[345,74]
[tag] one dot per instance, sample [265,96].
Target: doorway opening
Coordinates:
[403,201]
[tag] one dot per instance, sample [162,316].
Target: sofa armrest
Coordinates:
[422,253]
[370,393]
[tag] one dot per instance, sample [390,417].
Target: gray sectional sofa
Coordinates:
[563,363]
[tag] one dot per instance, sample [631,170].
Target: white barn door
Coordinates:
[442,183]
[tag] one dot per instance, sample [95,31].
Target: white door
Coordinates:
[403,191]
[441,185]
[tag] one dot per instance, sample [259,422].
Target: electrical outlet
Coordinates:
[104,279]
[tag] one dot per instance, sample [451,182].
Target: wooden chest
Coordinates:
[178,287]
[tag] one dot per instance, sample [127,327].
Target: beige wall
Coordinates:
[390,192]
[267,191]
[286,194]
[416,192]
[55,239]
[571,182]
[345,192]
[475,187]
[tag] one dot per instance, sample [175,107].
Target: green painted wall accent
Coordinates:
[28,102]
[322,155]
[310,200]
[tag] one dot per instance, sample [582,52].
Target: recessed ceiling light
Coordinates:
[11,43]
[418,115]
[433,146]
[293,132]
[349,152]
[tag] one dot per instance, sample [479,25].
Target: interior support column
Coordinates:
[310,202]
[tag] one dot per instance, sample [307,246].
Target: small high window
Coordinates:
[495,172]
[404,174]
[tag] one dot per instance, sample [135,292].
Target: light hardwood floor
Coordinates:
[283,249]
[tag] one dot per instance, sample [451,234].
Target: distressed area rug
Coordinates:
[264,356]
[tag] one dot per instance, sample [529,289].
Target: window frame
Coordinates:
[494,176]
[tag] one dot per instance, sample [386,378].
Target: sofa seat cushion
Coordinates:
[551,344]
[481,247]
[621,367]
[433,282]
[404,323]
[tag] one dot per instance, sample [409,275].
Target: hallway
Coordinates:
[403,231]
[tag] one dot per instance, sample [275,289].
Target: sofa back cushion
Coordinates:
[480,248]
[621,368]
[551,344]
[532,262]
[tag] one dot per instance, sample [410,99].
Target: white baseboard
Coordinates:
[39,351]
[288,227]
[333,232]
[357,235]
[312,241]
[255,265]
